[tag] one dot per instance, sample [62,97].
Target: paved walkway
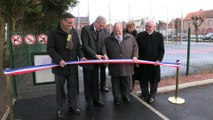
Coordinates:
[198,106]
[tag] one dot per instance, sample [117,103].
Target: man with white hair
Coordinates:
[151,48]
[121,45]
[92,37]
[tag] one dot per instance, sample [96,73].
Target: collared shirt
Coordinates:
[120,39]
[94,28]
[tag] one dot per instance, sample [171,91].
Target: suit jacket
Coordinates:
[57,51]
[151,47]
[91,44]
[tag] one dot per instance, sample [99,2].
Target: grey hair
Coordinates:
[100,19]
[151,21]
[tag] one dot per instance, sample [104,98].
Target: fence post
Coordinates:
[188,51]
[9,97]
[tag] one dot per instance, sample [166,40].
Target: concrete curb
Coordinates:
[160,90]
[182,86]
[185,85]
[159,114]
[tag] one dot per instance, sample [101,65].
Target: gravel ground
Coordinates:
[165,82]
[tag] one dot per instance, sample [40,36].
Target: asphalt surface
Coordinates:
[198,106]
[44,108]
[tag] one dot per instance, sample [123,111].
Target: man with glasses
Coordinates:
[92,38]
[63,45]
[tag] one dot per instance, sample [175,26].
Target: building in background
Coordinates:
[207,25]
[80,22]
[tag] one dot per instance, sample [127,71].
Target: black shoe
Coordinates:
[116,101]
[60,114]
[99,103]
[126,99]
[75,110]
[145,99]
[89,107]
[104,89]
[151,99]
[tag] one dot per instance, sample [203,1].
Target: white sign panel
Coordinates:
[43,76]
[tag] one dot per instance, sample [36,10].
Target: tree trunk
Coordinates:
[2,39]
[196,33]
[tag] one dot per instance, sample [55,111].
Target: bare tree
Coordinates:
[177,25]
[197,21]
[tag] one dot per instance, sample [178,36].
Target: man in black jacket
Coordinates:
[151,47]
[64,45]
[92,37]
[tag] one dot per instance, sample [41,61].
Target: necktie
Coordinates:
[97,35]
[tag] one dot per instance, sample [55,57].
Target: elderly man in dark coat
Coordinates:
[121,45]
[92,37]
[151,47]
[63,45]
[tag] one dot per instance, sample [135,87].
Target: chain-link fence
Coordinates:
[201,59]
[22,57]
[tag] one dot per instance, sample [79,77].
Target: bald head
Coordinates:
[118,29]
[150,26]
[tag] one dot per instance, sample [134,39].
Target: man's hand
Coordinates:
[83,59]
[62,63]
[156,63]
[135,59]
[99,57]
[105,57]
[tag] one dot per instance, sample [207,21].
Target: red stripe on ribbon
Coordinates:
[114,61]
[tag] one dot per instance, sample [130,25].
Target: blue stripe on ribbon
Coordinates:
[29,69]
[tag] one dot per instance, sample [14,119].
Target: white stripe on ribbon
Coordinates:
[35,68]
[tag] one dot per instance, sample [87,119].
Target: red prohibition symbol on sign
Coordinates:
[16,39]
[42,39]
[29,39]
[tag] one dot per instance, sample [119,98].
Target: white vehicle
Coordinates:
[208,36]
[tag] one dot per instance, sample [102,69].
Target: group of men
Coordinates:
[98,44]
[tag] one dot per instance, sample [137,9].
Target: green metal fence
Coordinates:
[24,86]
[201,59]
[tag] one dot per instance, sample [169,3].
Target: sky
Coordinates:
[125,10]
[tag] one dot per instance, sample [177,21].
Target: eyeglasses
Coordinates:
[101,25]
[69,22]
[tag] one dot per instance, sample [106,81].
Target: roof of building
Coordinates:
[200,13]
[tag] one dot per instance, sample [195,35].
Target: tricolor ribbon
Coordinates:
[35,68]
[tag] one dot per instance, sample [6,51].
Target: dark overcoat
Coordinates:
[126,50]
[151,48]
[91,44]
[57,51]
